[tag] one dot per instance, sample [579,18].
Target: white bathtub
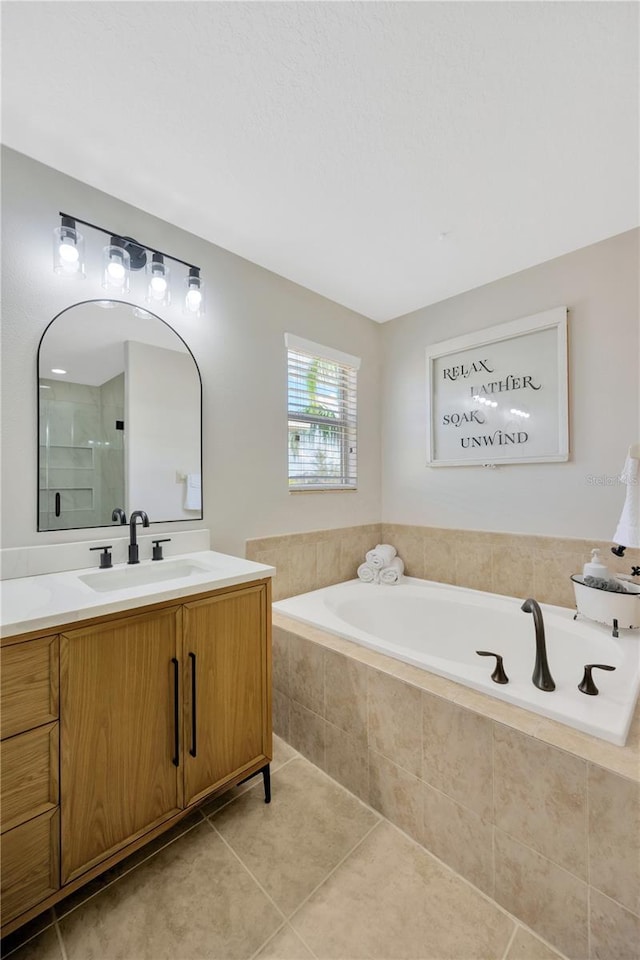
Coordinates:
[439,627]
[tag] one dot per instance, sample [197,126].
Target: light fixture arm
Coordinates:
[114,233]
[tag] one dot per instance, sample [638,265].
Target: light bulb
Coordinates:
[116,271]
[194,299]
[158,285]
[68,249]
[69,252]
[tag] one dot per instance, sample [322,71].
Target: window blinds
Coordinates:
[322,413]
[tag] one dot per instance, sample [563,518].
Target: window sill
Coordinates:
[324,490]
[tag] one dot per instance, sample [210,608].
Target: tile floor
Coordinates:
[314,874]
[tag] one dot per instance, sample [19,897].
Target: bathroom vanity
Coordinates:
[121,709]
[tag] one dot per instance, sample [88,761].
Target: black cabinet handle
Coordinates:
[57,504]
[194,711]
[176,714]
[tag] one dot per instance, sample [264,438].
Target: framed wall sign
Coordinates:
[500,395]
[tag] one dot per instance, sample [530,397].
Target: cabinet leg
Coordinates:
[266,776]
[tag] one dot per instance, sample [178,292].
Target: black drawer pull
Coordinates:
[176,714]
[194,711]
[57,504]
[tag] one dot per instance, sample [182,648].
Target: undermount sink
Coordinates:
[137,576]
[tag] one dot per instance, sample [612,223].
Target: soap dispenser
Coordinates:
[595,568]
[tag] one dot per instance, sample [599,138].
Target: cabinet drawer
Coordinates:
[30,864]
[29,685]
[29,775]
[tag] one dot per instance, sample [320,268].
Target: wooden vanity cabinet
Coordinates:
[157,710]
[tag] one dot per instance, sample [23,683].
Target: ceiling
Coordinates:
[386,155]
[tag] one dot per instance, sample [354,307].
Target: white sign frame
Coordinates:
[556,439]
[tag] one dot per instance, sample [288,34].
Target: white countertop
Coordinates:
[51,600]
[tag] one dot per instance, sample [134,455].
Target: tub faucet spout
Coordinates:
[542,678]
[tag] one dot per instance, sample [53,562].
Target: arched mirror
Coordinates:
[119,418]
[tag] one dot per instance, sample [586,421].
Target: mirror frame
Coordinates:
[110,526]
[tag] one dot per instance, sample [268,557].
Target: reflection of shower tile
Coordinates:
[71,458]
[86,424]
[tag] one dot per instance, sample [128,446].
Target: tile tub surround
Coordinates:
[541,817]
[316,874]
[308,561]
[516,565]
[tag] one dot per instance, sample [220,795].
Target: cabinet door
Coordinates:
[119,776]
[227,675]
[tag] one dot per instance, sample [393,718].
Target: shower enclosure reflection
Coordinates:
[119,418]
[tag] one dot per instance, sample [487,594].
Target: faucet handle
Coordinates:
[498,675]
[105,556]
[587,685]
[157,549]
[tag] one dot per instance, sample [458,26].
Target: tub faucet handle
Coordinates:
[498,675]
[587,685]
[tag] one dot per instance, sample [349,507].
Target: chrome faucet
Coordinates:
[133,543]
[542,678]
[118,515]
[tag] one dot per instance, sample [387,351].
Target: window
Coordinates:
[322,416]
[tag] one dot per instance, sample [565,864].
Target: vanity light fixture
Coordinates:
[121,257]
[68,249]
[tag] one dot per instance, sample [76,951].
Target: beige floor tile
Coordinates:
[458,754]
[614,837]
[395,729]
[143,853]
[291,845]
[285,945]
[390,900]
[546,897]
[541,798]
[193,900]
[459,837]
[282,753]
[45,946]
[526,946]
[615,932]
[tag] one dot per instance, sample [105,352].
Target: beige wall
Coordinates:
[239,347]
[599,285]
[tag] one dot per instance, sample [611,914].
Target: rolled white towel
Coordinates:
[381,556]
[392,573]
[367,573]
